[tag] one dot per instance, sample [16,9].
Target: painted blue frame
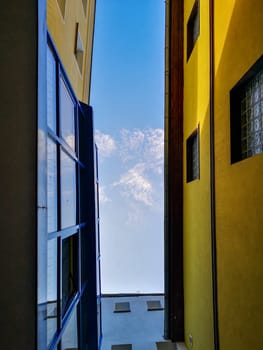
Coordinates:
[85,298]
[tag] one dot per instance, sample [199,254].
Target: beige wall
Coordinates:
[62,17]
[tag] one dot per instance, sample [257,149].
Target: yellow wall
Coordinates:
[63,31]
[197,241]
[239,187]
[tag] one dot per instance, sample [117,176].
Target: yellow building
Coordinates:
[214,168]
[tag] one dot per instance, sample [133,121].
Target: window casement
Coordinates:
[72,242]
[193,158]
[246,114]
[193,28]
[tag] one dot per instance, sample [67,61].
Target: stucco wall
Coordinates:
[62,28]
[197,241]
[239,191]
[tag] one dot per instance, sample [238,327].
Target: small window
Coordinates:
[122,307]
[192,150]
[246,103]
[154,305]
[193,28]
[121,347]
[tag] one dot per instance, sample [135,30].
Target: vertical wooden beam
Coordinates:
[174,177]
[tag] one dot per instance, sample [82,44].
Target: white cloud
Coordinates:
[134,184]
[106,144]
[103,196]
[131,143]
[139,155]
[143,146]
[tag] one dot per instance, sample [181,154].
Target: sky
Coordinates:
[127,96]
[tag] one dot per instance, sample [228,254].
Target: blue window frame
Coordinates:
[72,274]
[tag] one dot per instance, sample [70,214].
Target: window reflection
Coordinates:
[67,119]
[69,269]
[51,90]
[51,185]
[68,191]
[51,289]
[70,336]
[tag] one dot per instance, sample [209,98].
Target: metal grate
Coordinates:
[154,305]
[121,347]
[122,307]
[252,117]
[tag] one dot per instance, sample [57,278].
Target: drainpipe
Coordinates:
[212,176]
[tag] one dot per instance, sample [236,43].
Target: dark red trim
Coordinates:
[174,179]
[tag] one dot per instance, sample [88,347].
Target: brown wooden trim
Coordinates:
[212,177]
[174,178]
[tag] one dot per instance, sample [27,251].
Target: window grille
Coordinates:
[246,100]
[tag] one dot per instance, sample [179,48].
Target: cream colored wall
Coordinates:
[63,31]
[197,241]
[239,189]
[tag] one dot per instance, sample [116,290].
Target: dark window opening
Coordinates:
[193,28]
[122,307]
[121,347]
[154,305]
[192,149]
[69,269]
[246,109]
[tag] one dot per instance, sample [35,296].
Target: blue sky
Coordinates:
[127,95]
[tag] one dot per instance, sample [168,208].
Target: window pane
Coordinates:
[51,185]
[99,320]
[68,191]
[69,269]
[67,119]
[251,118]
[51,90]
[70,336]
[51,289]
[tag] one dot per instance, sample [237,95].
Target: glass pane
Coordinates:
[69,269]
[51,289]
[70,336]
[51,90]
[68,191]
[51,185]
[67,120]
[251,118]
[99,319]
